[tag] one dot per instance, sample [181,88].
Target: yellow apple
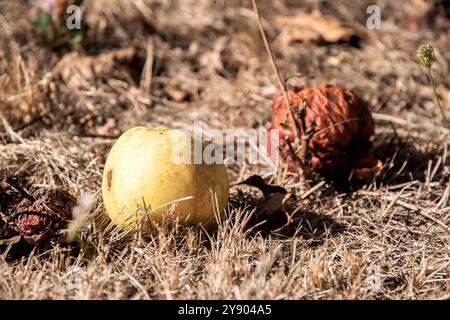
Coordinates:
[145,167]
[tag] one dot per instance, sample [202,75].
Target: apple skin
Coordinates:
[140,168]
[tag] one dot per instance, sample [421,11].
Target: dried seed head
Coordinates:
[51,210]
[426,55]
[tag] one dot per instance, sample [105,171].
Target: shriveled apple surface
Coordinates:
[61,111]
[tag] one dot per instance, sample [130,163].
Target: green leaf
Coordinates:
[318,178]
[77,38]
[285,125]
[42,22]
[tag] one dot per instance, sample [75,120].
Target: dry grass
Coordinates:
[387,239]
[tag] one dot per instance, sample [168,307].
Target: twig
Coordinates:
[313,189]
[94,135]
[22,191]
[298,132]
[293,151]
[147,72]
[335,124]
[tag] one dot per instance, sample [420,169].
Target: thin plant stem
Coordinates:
[437,98]
[297,131]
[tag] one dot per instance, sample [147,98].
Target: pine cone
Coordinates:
[343,126]
[51,210]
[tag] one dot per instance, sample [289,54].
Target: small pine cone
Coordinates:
[343,126]
[50,210]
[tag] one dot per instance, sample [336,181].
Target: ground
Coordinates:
[204,60]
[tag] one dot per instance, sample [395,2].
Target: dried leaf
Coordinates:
[273,214]
[267,189]
[38,239]
[306,27]
[276,203]
[212,59]
[368,172]
[275,196]
[79,71]
[424,14]
[176,91]
[9,241]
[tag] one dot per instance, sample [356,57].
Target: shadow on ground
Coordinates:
[405,159]
[314,227]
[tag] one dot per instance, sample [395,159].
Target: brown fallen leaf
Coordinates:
[274,214]
[176,90]
[79,71]
[275,203]
[424,14]
[267,189]
[37,240]
[306,27]
[10,241]
[275,196]
[367,172]
[211,60]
